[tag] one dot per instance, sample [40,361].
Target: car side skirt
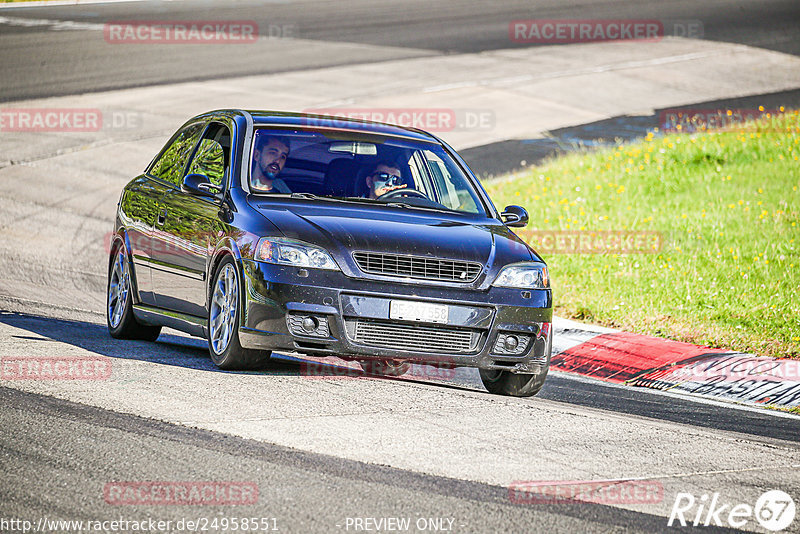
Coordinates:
[149,315]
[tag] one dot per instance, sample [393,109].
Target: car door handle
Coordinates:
[162,217]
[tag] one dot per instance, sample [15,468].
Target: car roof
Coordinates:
[308,120]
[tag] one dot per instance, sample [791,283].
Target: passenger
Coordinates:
[385,177]
[269,157]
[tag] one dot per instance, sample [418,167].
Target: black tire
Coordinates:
[230,355]
[512,384]
[119,307]
[385,367]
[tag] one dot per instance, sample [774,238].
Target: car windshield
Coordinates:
[361,167]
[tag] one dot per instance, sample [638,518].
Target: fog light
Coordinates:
[511,343]
[310,324]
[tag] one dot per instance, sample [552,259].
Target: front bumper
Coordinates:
[354,323]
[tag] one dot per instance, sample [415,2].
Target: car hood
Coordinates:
[344,228]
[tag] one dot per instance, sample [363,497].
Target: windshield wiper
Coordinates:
[312,196]
[406,205]
[378,201]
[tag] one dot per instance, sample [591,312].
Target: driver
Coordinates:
[384,177]
[269,158]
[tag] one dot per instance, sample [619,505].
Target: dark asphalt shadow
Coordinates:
[495,159]
[169,349]
[674,408]
[180,351]
[192,353]
[292,481]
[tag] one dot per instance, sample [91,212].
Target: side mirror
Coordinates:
[515,216]
[198,184]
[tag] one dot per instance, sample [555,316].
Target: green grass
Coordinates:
[728,207]
[793,409]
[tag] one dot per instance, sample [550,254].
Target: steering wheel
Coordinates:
[406,191]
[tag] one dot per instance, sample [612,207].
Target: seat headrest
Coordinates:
[340,177]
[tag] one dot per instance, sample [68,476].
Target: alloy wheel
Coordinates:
[224,306]
[118,288]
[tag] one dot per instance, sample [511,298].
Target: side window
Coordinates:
[170,165]
[212,157]
[442,181]
[420,174]
[210,161]
[450,188]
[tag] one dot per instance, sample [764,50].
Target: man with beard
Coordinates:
[269,158]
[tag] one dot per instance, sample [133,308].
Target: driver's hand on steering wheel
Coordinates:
[388,189]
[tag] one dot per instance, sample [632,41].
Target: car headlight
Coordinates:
[294,253]
[523,275]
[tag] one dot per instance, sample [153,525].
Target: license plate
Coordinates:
[425,312]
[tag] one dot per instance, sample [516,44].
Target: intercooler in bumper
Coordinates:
[413,337]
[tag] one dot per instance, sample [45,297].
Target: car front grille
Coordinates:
[415,338]
[417,267]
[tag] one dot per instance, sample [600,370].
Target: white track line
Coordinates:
[45,3]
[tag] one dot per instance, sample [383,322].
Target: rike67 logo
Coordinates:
[774,511]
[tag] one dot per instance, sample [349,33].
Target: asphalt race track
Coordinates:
[337,450]
[41,61]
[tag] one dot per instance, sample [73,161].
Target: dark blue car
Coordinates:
[266,231]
